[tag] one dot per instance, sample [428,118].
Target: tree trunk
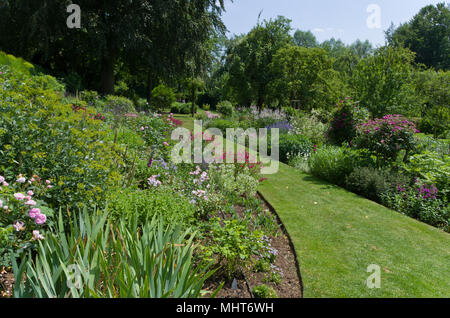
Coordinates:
[107,74]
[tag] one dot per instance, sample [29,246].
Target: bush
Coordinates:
[118,105]
[206,107]
[222,124]
[310,126]
[373,183]
[421,203]
[293,146]
[49,139]
[264,291]
[225,108]
[162,97]
[146,204]
[332,163]
[92,99]
[385,138]
[345,119]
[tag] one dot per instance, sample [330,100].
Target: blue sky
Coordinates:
[344,19]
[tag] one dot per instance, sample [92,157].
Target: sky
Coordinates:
[347,20]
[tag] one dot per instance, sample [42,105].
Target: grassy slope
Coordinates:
[337,234]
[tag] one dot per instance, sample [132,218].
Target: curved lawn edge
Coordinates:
[337,235]
[291,244]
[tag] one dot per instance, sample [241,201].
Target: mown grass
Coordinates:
[338,234]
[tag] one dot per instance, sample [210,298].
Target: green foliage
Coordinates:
[373,183]
[310,126]
[346,117]
[16,63]
[293,146]
[382,82]
[118,105]
[222,124]
[427,34]
[146,204]
[206,107]
[296,69]
[92,99]
[232,244]
[182,108]
[248,61]
[261,266]
[225,108]
[386,137]
[305,39]
[332,163]
[264,291]
[162,97]
[433,211]
[49,139]
[100,259]
[432,168]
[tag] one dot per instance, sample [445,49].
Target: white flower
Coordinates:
[37,236]
[21,179]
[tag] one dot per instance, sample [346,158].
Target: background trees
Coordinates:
[427,34]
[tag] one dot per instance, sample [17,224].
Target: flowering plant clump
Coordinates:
[23,216]
[347,116]
[386,137]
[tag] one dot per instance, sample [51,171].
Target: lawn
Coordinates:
[338,234]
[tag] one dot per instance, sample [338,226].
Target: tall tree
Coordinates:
[305,39]
[427,34]
[248,61]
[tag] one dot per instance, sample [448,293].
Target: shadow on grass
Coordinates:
[325,185]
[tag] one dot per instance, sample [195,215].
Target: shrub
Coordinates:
[225,108]
[118,105]
[162,97]
[373,183]
[345,119]
[92,99]
[264,291]
[24,215]
[101,259]
[222,124]
[385,138]
[420,202]
[206,107]
[310,126]
[332,163]
[49,139]
[293,146]
[431,168]
[146,204]
[232,244]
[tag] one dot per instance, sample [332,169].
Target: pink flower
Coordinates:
[30,193]
[165,143]
[49,187]
[19,196]
[34,213]
[2,179]
[47,181]
[5,208]
[30,202]
[1,203]
[5,184]
[37,236]
[40,219]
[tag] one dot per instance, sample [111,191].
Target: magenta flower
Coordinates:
[40,219]
[19,196]
[34,213]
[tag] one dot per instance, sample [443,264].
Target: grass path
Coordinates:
[338,234]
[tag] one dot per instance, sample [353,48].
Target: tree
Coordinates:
[305,39]
[382,82]
[156,38]
[296,70]
[249,59]
[427,34]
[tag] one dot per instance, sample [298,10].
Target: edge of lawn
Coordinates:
[338,234]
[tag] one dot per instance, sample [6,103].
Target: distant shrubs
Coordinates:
[294,145]
[146,204]
[332,163]
[386,137]
[372,183]
[225,108]
[182,108]
[118,105]
[162,97]
[222,124]
[345,119]
[311,127]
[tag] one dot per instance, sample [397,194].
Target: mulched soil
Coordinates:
[291,285]
[6,282]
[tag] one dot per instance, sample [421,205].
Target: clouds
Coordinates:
[328,30]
